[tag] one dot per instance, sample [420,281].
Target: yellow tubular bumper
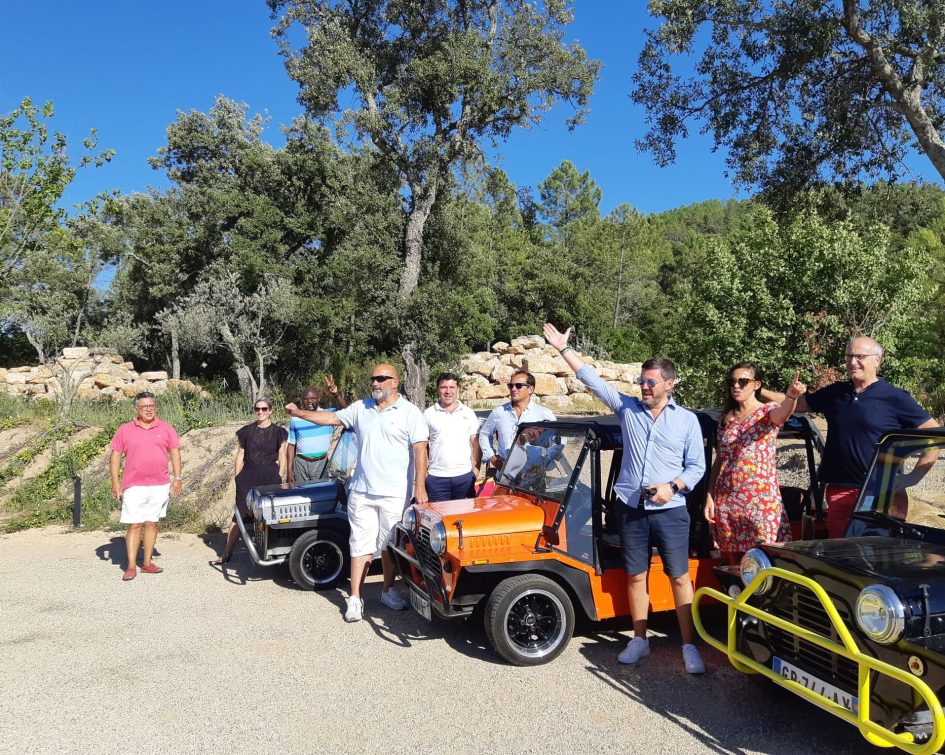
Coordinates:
[847,648]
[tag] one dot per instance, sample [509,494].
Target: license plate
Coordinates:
[421,606]
[822,688]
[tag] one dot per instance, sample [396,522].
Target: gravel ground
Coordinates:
[201,660]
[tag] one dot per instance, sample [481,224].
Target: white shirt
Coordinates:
[450,434]
[385,445]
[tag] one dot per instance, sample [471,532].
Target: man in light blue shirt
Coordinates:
[663,458]
[498,431]
[392,440]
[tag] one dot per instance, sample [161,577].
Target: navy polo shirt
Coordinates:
[856,422]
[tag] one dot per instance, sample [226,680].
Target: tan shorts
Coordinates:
[144,503]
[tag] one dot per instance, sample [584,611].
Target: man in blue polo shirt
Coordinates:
[663,458]
[308,443]
[501,426]
[859,412]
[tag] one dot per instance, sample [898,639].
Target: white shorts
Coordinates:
[144,503]
[371,518]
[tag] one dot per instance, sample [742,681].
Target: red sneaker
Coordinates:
[152,569]
[130,574]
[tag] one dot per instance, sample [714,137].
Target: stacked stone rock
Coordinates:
[486,375]
[92,376]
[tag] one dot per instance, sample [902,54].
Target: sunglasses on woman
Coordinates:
[258,409]
[740,382]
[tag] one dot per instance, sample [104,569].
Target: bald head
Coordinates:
[864,345]
[384,383]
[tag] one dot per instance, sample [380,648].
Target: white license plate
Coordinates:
[822,688]
[421,606]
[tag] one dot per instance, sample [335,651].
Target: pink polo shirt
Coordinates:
[146,452]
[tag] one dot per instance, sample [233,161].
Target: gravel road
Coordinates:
[201,660]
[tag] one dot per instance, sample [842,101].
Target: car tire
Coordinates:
[529,619]
[319,560]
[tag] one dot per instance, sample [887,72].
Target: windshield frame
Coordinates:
[579,433]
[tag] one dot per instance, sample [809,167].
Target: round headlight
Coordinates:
[880,614]
[438,538]
[409,519]
[754,562]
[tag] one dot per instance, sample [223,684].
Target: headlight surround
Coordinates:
[753,562]
[409,519]
[438,538]
[880,614]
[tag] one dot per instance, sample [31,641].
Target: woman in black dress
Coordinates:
[260,460]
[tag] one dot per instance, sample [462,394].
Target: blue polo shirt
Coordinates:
[503,422]
[654,450]
[856,422]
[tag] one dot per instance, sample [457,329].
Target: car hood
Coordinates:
[489,515]
[889,559]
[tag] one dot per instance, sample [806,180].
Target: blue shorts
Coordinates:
[451,488]
[667,529]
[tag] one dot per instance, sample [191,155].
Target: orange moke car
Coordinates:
[541,546]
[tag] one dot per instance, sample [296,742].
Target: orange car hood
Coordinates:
[489,515]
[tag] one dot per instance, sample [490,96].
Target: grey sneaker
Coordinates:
[391,598]
[692,660]
[635,650]
[355,609]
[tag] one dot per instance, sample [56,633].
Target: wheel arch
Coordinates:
[576,583]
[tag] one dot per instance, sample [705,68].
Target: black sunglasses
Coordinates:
[381,378]
[262,409]
[740,382]
[518,385]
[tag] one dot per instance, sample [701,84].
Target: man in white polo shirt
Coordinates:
[454,443]
[392,461]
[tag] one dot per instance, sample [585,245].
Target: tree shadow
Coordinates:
[723,710]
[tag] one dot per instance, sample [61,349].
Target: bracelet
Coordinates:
[564,350]
[793,398]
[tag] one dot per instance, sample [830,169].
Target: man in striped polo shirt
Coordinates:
[308,443]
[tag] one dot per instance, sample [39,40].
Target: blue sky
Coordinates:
[126,67]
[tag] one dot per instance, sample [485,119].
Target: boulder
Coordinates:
[586,402]
[574,385]
[153,377]
[87,391]
[529,342]
[106,380]
[478,366]
[21,369]
[75,352]
[549,385]
[16,378]
[515,349]
[501,374]
[40,375]
[558,404]
[128,365]
[492,391]
[499,347]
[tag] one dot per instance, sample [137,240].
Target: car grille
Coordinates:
[800,606]
[425,554]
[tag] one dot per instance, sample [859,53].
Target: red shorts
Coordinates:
[841,500]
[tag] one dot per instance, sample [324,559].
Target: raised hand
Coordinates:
[330,385]
[555,337]
[796,389]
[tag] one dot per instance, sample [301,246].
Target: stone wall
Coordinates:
[91,375]
[485,378]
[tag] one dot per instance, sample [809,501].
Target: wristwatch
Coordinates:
[674,487]
[179,479]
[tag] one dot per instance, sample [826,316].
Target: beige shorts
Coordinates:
[144,503]
[371,518]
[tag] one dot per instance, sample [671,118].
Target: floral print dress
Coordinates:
[747,495]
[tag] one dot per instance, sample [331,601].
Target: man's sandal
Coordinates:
[152,569]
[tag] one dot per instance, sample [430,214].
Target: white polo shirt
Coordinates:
[450,431]
[385,445]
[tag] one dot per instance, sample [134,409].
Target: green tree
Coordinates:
[428,83]
[567,197]
[797,92]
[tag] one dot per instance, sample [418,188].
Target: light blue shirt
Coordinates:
[654,450]
[385,445]
[504,421]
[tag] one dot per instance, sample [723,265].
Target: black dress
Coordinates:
[260,461]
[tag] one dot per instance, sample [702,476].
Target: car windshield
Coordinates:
[542,461]
[344,457]
[907,481]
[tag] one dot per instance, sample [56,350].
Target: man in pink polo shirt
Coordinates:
[144,490]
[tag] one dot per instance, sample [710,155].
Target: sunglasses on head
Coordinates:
[381,378]
[518,385]
[740,382]
[648,382]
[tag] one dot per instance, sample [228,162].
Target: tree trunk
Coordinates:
[261,388]
[40,352]
[248,385]
[175,355]
[417,377]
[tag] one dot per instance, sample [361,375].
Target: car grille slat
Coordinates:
[425,554]
[800,606]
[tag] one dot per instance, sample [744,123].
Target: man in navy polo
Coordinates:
[663,459]
[859,412]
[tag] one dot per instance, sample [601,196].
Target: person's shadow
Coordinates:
[723,710]
[116,551]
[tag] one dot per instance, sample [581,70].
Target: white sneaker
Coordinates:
[635,650]
[355,609]
[391,598]
[692,660]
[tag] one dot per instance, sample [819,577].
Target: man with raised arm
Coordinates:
[392,460]
[663,459]
[859,412]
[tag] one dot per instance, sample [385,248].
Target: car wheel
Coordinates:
[529,619]
[318,560]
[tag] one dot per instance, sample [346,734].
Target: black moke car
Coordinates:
[857,625]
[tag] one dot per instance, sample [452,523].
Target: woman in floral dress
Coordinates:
[744,499]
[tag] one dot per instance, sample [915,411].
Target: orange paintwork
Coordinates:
[508,528]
